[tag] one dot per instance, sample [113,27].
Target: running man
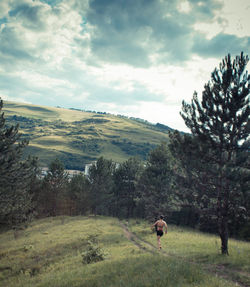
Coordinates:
[160,224]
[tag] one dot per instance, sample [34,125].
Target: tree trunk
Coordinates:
[223,231]
[222,206]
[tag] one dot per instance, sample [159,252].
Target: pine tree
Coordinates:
[16,175]
[101,185]
[54,190]
[155,185]
[221,124]
[125,187]
[79,193]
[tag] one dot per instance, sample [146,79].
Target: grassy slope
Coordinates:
[203,249]
[80,137]
[48,253]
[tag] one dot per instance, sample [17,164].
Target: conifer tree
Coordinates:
[220,123]
[16,175]
[125,187]
[54,189]
[101,185]
[155,185]
[79,192]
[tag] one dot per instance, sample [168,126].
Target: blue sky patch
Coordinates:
[3,20]
[52,3]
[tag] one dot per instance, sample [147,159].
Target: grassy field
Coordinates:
[78,137]
[49,253]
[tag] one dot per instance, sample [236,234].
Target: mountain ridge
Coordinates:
[78,137]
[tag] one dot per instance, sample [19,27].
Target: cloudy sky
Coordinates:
[138,58]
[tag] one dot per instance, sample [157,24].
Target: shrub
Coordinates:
[93,252]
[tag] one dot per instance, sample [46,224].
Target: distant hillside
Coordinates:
[77,137]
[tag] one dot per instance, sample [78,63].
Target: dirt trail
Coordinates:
[217,270]
[138,241]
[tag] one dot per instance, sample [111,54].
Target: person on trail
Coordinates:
[160,224]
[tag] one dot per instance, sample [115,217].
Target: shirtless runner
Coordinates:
[160,224]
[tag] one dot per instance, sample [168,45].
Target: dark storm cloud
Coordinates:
[140,33]
[131,31]
[221,45]
[135,31]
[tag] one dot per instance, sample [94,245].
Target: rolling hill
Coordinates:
[78,137]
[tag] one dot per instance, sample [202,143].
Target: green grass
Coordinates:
[202,248]
[68,134]
[48,253]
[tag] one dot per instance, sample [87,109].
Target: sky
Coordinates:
[138,58]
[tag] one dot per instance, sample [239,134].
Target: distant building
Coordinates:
[70,172]
[44,172]
[87,166]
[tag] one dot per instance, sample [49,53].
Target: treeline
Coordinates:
[156,126]
[199,179]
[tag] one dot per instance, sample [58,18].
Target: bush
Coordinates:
[93,252]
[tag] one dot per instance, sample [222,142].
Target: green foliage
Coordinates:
[101,180]
[134,149]
[56,174]
[220,125]
[93,252]
[155,184]
[126,178]
[52,199]
[79,192]
[16,176]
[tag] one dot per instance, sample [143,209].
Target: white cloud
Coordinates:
[13,98]
[237,14]
[162,113]
[184,6]
[37,80]
[169,82]
[4,8]
[81,97]
[232,19]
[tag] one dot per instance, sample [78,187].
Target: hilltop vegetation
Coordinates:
[79,137]
[50,253]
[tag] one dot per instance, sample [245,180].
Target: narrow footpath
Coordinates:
[217,270]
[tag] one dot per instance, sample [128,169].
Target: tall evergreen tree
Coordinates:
[155,185]
[16,175]
[125,187]
[101,181]
[221,125]
[54,189]
[79,192]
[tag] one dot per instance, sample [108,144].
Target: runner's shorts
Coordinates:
[159,232]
